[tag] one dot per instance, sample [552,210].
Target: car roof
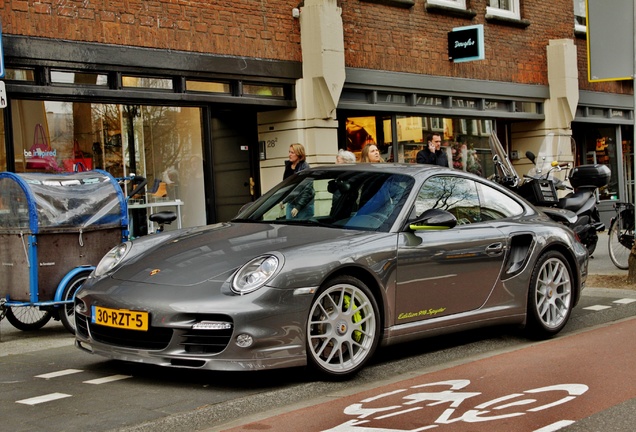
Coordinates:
[393,168]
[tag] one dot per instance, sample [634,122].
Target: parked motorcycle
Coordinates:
[578,209]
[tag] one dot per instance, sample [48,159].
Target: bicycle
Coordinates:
[621,235]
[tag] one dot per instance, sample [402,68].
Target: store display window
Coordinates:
[161,143]
[464,140]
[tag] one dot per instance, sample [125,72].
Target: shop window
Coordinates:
[430,100]
[207,87]
[619,114]
[355,96]
[436,124]
[161,143]
[580,19]
[360,132]
[496,105]
[465,140]
[264,90]
[147,82]
[504,9]
[391,98]
[596,112]
[464,103]
[19,75]
[78,78]
[527,107]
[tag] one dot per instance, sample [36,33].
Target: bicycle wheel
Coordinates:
[28,318]
[618,253]
[67,311]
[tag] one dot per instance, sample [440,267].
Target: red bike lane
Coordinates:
[542,387]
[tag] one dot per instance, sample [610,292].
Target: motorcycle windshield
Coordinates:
[550,154]
[501,159]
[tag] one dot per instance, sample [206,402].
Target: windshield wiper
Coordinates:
[306,222]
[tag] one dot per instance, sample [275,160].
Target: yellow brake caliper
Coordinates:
[357,317]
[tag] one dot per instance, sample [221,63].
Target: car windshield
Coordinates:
[334,198]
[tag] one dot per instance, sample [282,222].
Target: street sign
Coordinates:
[610,40]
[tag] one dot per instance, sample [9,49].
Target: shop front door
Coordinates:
[234,149]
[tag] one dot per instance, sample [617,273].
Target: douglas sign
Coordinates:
[466,43]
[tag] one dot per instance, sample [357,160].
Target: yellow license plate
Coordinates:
[120,318]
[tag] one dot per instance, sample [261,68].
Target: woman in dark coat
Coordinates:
[300,203]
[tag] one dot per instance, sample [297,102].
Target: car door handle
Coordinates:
[495,249]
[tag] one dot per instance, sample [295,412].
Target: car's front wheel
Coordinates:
[343,328]
[550,296]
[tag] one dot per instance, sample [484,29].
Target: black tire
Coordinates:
[67,311]
[618,253]
[343,328]
[28,318]
[550,296]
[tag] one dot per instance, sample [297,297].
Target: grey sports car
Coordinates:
[328,265]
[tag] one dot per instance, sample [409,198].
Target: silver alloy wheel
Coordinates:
[553,293]
[342,330]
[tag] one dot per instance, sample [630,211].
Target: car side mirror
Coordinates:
[434,219]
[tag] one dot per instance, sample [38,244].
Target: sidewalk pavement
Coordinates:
[600,262]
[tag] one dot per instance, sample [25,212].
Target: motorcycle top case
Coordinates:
[596,176]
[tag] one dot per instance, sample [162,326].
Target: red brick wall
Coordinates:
[376,36]
[263,29]
[414,40]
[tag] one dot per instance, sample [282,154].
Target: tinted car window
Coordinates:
[456,195]
[344,199]
[496,205]
[467,200]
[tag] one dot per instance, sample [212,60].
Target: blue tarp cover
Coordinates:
[40,203]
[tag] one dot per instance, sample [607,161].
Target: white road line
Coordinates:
[625,301]
[107,379]
[44,398]
[59,373]
[597,307]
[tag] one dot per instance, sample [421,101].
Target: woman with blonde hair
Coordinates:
[299,203]
[370,154]
[296,160]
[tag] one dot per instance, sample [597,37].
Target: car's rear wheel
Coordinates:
[343,328]
[550,296]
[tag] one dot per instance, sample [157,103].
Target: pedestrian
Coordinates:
[300,202]
[370,154]
[296,161]
[345,157]
[433,153]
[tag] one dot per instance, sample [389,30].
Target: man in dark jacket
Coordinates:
[432,153]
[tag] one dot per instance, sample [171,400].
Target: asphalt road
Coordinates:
[489,393]
[84,392]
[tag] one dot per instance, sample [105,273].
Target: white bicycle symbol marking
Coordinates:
[483,412]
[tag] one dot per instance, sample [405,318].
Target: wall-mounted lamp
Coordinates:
[296,13]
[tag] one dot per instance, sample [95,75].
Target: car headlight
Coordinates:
[112,258]
[254,274]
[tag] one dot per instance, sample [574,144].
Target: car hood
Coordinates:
[213,253]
